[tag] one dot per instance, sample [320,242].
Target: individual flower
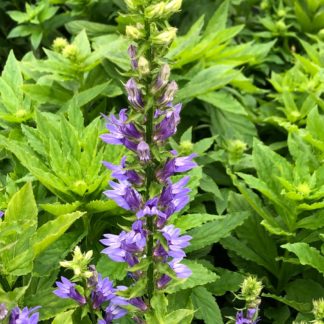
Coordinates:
[168,126]
[173,198]
[249,318]
[125,246]
[3,311]
[120,172]
[121,132]
[1,214]
[66,289]
[168,95]
[132,52]
[124,195]
[162,78]
[175,242]
[24,316]
[134,94]
[176,165]
[143,152]
[112,312]
[181,270]
[102,292]
[150,208]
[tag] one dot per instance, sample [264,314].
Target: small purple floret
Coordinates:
[132,52]
[66,289]
[143,152]
[134,94]
[3,311]
[103,292]
[24,316]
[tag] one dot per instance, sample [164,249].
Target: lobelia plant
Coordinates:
[153,248]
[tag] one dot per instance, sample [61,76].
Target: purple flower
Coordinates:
[168,126]
[121,132]
[175,165]
[66,289]
[175,242]
[102,292]
[139,303]
[134,94]
[121,173]
[132,52]
[24,316]
[163,281]
[172,199]
[125,246]
[112,312]
[168,95]
[3,311]
[181,270]
[1,214]
[150,208]
[143,152]
[162,79]
[249,319]
[124,195]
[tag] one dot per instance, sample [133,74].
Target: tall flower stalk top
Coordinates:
[153,247]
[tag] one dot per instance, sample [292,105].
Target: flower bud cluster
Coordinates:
[69,51]
[250,292]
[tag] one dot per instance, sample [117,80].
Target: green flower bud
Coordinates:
[143,66]
[155,11]
[173,6]
[59,44]
[131,4]
[71,52]
[264,5]
[235,150]
[318,309]
[281,13]
[281,26]
[79,263]
[135,32]
[186,147]
[321,34]
[165,37]
[251,289]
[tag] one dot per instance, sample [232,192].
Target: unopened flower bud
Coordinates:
[3,311]
[169,93]
[281,26]
[251,289]
[165,37]
[155,10]
[143,152]
[264,5]
[281,13]
[131,4]
[318,309]
[135,32]
[143,66]
[132,52]
[236,149]
[71,52]
[134,94]
[162,79]
[186,147]
[59,44]
[321,34]
[173,6]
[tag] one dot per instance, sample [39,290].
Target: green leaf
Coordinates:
[189,221]
[58,209]
[52,230]
[179,316]
[307,255]
[207,80]
[64,318]
[113,270]
[21,213]
[200,276]
[223,101]
[214,231]
[208,309]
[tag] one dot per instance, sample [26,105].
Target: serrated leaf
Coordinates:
[207,308]
[200,276]
[189,221]
[214,231]
[307,255]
